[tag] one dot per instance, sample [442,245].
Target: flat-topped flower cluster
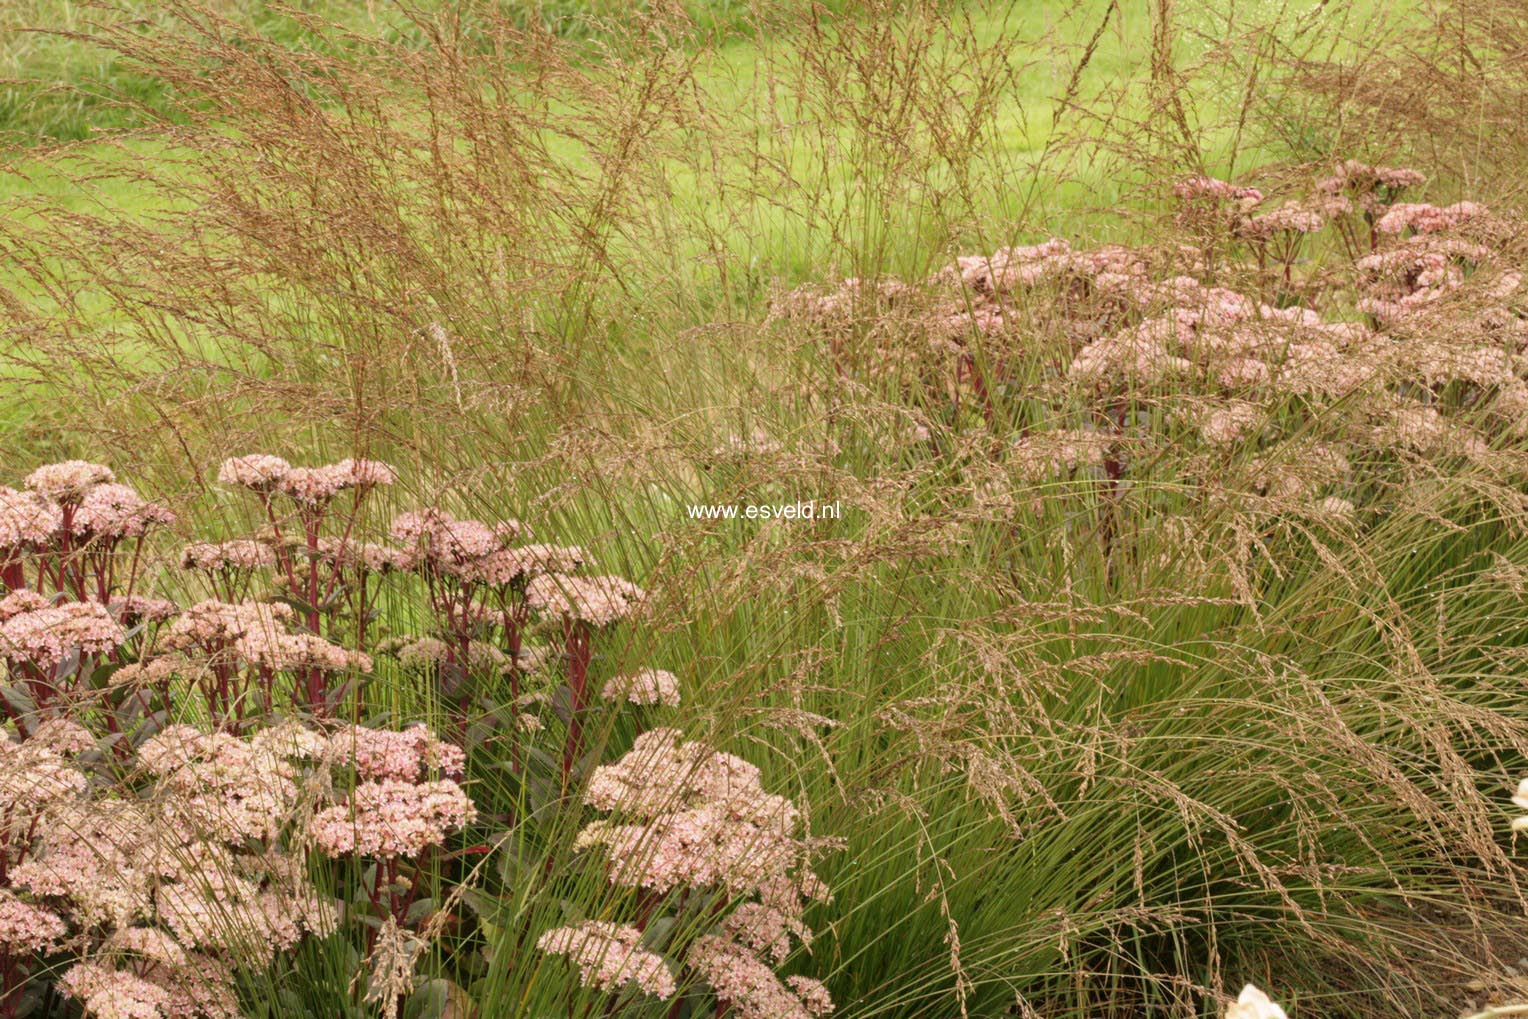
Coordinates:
[696,828]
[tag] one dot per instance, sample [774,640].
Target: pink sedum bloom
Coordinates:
[21,600]
[259,472]
[69,481]
[238,554]
[108,993]
[116,511]
[391,818]
[315,486]
[407,756]
[433,538]
[27,520]
[647,686]
[598,601]
[45,637]
[751,987]
[610,956]
[25,927]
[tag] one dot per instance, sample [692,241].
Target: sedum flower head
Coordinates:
[68,481]
[1520,799]
[750,985]
[109,993]
[508,565]
[116,511]
[25,927]
[408,756]
[256,632]
[99,856]
[139,609]
[27,520]
[21,600]
[694,817]
[1205,188]
[122,984]
[46,636]
[426,653]
[368,473]
[392,818]
[35,777]
[221,785]
[435,539]
[238,554]
[610,956]
[647,686]
[259,472]
[813,994]
[363,556]
[63,736]
[1425,218]
[315,486]
[598,601]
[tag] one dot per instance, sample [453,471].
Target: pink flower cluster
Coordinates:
[598,601]
[256,633]
[198,987]
[392,818]
[1408,321]
[80,498]
[70,481]
[26,927]
[1362,181]
[46,636]
[360,556]
[1425,218]
[429,653]
[27,520]
[749,985]
[310,487]
[646,686]
[432,538]
[172,888]
[406,756]
[687,817]
[238,554]
[236,789]
[508,565]
[609,956]
[115,511]
[1293,217]
[1205,188]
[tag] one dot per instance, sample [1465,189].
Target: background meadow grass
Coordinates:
[527,256]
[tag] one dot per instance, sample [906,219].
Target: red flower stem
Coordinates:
[577,640]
